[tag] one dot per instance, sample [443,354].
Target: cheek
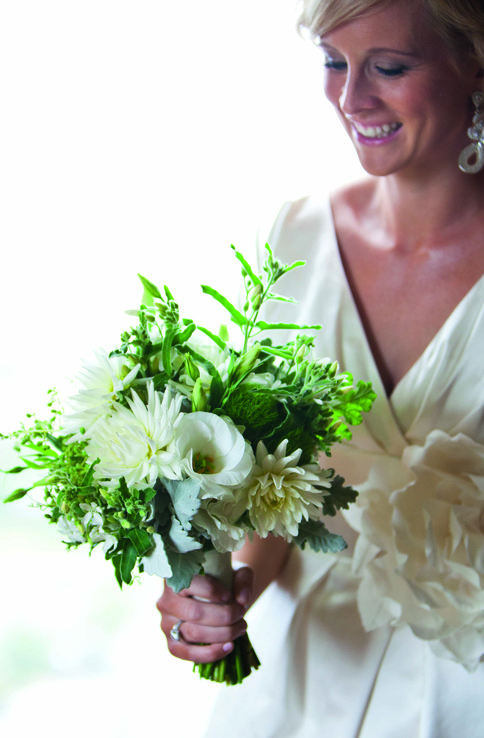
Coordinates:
[332,89]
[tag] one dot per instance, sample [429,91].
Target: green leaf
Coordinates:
[315,533]
[150,288]
[289,326]
[55,441]
[89,475]
[168,294]
[14,470]
[184,567]
[181,539]
[128,561]
[295,265]
[216,339]
[141,540]
[253,277]
[32,465]
[17,495]
[184,495]
[237,316]
[280,298]
[357,401]
[187,333]
[340,496]
[166,351]
[216,391]
[156,563]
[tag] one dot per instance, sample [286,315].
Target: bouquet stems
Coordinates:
[233,668]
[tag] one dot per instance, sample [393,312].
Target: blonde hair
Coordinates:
[460,23]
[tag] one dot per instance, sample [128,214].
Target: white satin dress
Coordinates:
[384,640]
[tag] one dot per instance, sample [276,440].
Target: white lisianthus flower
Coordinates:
[137,442]
[100,383]
[281,494]
[420,554]
[214,452]
[218,518]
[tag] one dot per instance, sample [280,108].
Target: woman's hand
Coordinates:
[210,615]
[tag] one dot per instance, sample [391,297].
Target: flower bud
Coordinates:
[199,397]
[301,354]
[246,362]
[191,368]
[255,296]
[333,369]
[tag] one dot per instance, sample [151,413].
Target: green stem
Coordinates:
[242,660]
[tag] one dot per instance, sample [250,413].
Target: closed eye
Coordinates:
[391,71]
[336,66]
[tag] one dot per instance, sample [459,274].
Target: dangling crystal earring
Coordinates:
[475,151]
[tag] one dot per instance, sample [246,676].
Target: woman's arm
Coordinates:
[211,614]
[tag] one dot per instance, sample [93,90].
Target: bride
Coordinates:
[387,639]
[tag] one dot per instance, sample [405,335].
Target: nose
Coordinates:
[357,93]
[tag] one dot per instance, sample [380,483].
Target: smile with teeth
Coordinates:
[376,131]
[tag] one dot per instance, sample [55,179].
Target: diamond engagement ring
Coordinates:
[175,634]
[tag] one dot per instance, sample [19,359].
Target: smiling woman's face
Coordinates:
[401,98]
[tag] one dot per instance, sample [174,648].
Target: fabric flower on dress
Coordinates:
[214,452]
[280,494]
[100,383]
[421,549]
[137,443]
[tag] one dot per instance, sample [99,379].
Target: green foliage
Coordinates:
[184,566]
[317,536]
[340,498]
[258,409]
[273,392]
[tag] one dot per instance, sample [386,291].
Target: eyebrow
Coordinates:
[374,50]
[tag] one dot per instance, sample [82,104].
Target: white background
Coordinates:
[135,137]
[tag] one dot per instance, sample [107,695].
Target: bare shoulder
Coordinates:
[354,214]
[351,206]
[355,197]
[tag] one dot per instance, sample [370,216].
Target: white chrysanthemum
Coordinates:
[421,549]
[137,442]
[214,452]
[100,384]
[281,494]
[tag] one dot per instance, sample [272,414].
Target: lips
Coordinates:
[376,132]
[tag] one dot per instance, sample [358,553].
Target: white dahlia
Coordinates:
[137,442]
[100,384]
[281,494]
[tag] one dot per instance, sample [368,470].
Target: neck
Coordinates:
[419,213]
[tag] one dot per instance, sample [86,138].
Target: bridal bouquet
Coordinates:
[180,444]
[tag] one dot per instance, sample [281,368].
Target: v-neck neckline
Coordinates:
[390,397]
